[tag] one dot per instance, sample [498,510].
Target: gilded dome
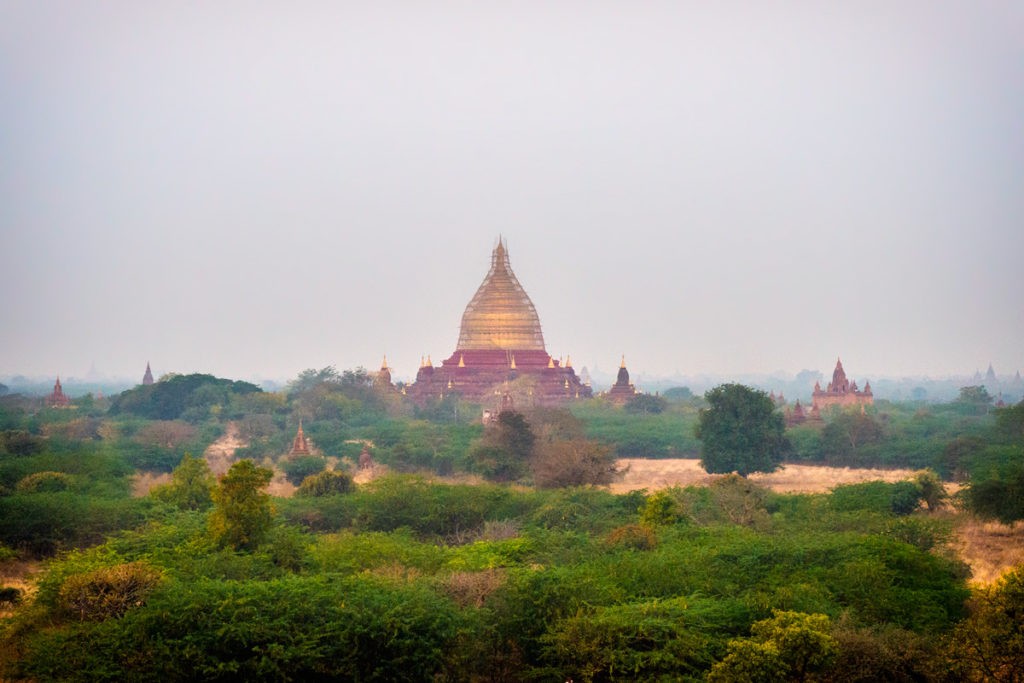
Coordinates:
[500,315]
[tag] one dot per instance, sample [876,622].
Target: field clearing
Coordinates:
[642,473]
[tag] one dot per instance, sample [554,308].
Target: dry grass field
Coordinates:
[658,474]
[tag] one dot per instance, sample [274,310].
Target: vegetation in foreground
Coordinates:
[408,579]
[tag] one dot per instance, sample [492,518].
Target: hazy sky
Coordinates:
[251,189]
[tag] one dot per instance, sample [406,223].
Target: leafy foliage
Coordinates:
[989,645]
[331,482]
[1000,495]
[504,452]
[297,468]
[175,395]
[741,431]
[789,646]
[646,404]
[242,513]
[191,486]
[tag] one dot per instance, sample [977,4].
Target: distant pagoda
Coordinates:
[841,391]
[500,342]
[57,398]
[622,391]
[300,445]
[147,378]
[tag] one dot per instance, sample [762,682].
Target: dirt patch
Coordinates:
[19,574]
[143,482]
[658,474]
[221,452]
[279,486]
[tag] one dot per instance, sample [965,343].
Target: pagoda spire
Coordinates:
[300,446]
[147,378]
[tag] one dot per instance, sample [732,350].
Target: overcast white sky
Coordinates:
[721,187]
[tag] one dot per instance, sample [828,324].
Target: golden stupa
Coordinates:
[500,315]
[500,346]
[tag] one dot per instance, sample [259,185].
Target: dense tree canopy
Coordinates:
[741,431]
[179,396]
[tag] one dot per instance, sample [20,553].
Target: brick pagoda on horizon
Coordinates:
[841,392]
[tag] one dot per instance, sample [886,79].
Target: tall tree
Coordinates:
[505,449]
[242,513]
[741,431]
[191,485]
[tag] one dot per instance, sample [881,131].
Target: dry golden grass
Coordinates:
[989,548]
[658,474]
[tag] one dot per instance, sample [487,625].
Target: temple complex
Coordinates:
[57,398]
[622,390]
[798,415]
[147,378]
[841,391]
[500,350]
[300,445]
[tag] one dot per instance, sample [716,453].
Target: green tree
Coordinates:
[326,483]
[678,394]
[989,645]
[741,431]
[646,404]
[974,400]
[933,493]
[20,442]
[787,647]
[1010,423]
[504,452]
[1000,495]
[242,513]
[849,432]
[191,485]
[297,468]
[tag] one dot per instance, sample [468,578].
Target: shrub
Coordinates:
[326,483]
[473,588]
[574,462]
[44,482]
[107,592]
[660,509]
[633,537]
[297,469]
[20,442]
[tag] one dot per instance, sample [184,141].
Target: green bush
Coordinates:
[44,482]
[326,483]
[296,469]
